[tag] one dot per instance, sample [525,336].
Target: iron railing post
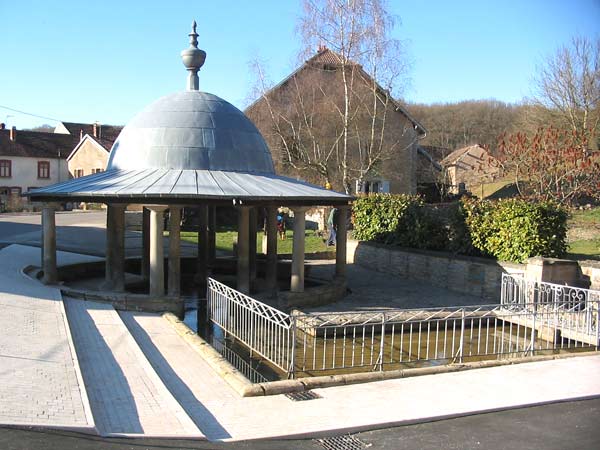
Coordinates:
[382,343]
[597,324]
[292,347]
[532,344]
[462,334]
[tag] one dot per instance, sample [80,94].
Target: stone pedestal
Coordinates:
[115,247]
[203,245]
[49,244]
[297,279]
[174,279]
[341,240]
[271,250]
[157,270]
[243,250]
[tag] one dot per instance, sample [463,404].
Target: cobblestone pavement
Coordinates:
[126,395]
[39,383]
[375,290]
[223,415]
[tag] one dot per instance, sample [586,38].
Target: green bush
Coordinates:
[514,229]
[509,230]
[398,220]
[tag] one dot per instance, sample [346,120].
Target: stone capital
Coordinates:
[157,208]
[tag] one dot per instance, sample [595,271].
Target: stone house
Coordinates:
[469,167]
[28,160]
[91,153]
[306,103]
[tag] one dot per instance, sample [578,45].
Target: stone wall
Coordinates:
[472,276]
[591,271]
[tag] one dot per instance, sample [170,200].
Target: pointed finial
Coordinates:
[193,58]
[193,36]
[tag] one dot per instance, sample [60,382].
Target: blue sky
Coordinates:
[106,60]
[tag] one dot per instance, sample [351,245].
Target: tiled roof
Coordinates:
[456,154]
[36,144]
[327,57]
[106,134]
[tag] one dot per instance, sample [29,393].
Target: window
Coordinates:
[97,170]
[373,186]
[78,173]
[5,168]
[16,191]
[43,169]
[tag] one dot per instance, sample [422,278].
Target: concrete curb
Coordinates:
[230,374]
[247,389]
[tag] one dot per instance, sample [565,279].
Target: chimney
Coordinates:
[95,132]
[13,134]
[80,134]
[2,126]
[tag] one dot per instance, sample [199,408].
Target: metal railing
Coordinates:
[265,330]
[531,318]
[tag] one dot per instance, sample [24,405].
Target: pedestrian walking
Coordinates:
[332,226]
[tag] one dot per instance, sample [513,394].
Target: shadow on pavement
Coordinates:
[200,415]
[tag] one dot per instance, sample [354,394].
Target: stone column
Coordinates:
[115,247]
[157,271]
[212,233]
[271,263]
[252,229]
[202,259]
[145,260]
[174,278]
[341,238]
[49,244]
[297,280]
[243,247]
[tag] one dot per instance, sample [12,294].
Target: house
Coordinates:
[300,120]
[469,167]
[29,160]
[91,153]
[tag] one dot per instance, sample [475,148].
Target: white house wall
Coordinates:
[24,172]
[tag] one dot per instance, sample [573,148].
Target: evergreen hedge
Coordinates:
[509,230]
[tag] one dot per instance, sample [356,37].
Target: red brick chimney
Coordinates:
[95,128]
[13,134]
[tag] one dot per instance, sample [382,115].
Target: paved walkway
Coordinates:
[39,379]
[375,290]
[223,415]
[126,395]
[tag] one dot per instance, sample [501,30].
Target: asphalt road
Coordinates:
[561,426]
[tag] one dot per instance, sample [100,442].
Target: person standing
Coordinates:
[332,226]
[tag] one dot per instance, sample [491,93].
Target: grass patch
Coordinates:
[588,216]
[224,241]
[585,249]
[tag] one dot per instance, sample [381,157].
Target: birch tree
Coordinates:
[358,32]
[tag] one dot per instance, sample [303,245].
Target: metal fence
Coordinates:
[265,330]
[532,317]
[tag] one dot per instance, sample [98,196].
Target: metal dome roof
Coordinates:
[191,130]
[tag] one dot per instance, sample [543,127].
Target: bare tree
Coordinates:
[297,116]
[568,87]
[358,33]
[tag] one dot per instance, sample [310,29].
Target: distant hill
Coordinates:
[45,128]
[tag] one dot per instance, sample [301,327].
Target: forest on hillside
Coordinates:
[455,125]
